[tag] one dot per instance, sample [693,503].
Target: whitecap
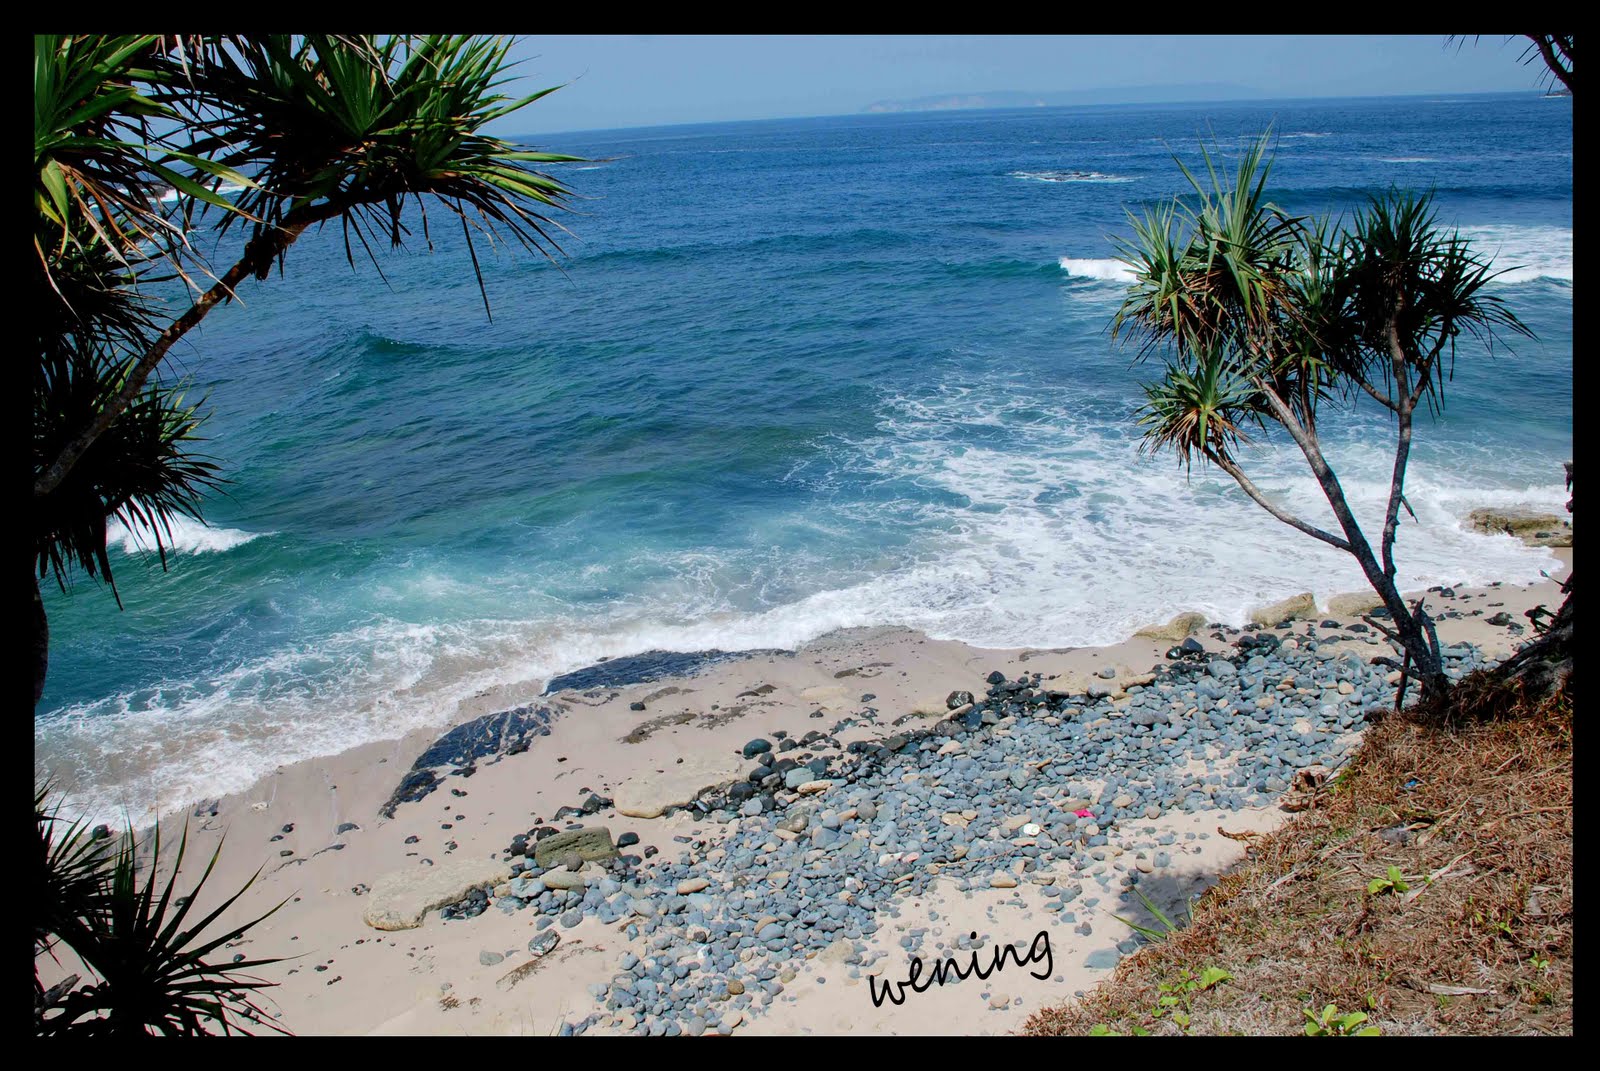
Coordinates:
[1068,176]
[1102,269]
[1526,253]
[186,537]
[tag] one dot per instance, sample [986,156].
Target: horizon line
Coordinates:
[864,113]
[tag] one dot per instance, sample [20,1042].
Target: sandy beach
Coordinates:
[316,831]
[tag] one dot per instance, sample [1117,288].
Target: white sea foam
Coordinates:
[1105,270]
[186,537]
[1008,518]
[1530,252]
[225,188]
[1408,160]
[1068,176]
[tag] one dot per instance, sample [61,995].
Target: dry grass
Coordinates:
[1483,837]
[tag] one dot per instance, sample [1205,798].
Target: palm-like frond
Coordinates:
[1412,287]
[1200,407]
[141,471]
[69,877]
[105,149]
[347,128]
[151,968]
[1217,272]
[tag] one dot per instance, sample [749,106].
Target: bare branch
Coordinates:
[1287,518]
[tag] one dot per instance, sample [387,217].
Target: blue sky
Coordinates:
[624,81]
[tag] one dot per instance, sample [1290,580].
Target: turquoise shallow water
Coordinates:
[793,376]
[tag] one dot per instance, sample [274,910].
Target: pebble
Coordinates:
[810,865]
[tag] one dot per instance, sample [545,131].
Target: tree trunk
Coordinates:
[1429,667]
[259,254]
[40,627]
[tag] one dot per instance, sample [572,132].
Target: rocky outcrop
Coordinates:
[458,751]
[400,899]
[1176,630]
[645,668]
[1531,526]
[1354,604]
[650,795]
[1303,605]
[590,842]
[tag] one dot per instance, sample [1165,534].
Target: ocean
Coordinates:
[789,377]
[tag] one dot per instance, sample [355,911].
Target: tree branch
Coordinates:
[1382,399]
[1287,518]
[258,255]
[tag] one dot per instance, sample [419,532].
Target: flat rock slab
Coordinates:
[647,667]
[590,842]
[649,795]
[1354,604]
[1295,606]
[1533,527]
[507,732]
[400,899]
[1179,628]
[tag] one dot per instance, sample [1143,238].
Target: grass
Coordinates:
[1427,890]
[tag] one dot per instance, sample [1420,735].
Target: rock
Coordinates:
[489,959]
[1531,526]
[958,699]
[565,879]
[809,788]
[756,747]
[1176,630]
[400,899]
[1103,959]
[679,784]
[505,733]
[1106,673]
[1354,604]
[1221,668]
[590,842]
[1002,880]
[646,668]
[999,1000]
[692,885]
[838,953]
[1303,605]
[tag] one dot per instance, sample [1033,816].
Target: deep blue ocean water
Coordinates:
[791,376]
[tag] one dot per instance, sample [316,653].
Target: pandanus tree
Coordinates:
[1263,319]
[136,140]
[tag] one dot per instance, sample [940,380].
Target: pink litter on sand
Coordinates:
[1084,814]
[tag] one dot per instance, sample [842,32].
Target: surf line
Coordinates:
[895,992]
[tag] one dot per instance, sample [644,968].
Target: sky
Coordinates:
[628,81]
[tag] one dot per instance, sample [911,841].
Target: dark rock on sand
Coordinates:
[645,668]
[491,736]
